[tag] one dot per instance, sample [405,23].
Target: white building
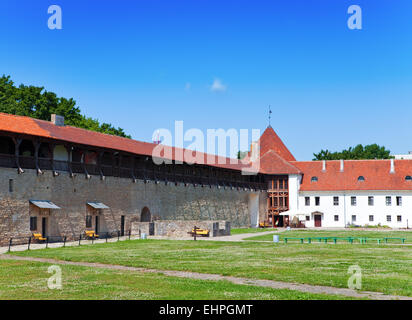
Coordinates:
[337,193]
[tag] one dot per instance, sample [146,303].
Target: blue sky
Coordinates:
[141,65]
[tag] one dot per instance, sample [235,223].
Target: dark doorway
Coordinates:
[318,220]
[122,226]
[146,216]
[44,227]
[97,225]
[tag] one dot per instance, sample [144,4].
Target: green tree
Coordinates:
[38,103]
[372,151]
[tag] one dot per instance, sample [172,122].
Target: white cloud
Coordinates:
[217,86]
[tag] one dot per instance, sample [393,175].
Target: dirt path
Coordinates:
[216,277]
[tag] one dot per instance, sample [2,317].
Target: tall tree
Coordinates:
[372,151]
[38,103]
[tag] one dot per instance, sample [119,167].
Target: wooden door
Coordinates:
[318,220]
[97,225]
[122,226]
[44,227]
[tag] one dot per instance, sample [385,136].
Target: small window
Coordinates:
[335,201]
[88,221]
[388,218]
[317,201]
[371,218]
[408,178]
[11,185]
[399,201]
[353,218]
[314,179]
[399,218]
[336,217]
[388,201]
[307,201]
[371,200]
[353,201]
[33,223]
[307,218]
[361,178]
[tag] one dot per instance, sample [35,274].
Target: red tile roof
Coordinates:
[46,129]
[376,173]
[271,141]
[275,157]
[272,163]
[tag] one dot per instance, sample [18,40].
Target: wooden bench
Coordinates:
[264,224]
[199,232]
[91,234]
[39,237]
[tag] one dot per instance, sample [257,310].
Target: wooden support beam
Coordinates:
[37,144]
[17,143]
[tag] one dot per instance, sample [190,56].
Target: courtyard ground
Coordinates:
[385,268]
[28,280]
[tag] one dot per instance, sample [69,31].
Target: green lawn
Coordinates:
[340,233]
[28,280]
[251,230]
[385,268]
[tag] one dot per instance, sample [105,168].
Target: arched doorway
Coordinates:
[145,216]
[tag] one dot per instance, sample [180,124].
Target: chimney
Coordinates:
[323,165]
[392,166]
[57,120]
[342,166]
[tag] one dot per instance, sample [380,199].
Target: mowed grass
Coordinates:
[385,268]
[250,230]
[28,280]
[340,233]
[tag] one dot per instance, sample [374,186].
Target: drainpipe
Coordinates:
[344,208]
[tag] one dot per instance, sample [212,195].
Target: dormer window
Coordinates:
[408,178]
[361,178]
[314,179]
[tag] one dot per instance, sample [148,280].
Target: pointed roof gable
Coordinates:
[272,163]
[269,140]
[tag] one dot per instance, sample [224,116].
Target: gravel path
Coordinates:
[216,277]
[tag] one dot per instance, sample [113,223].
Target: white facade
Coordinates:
[339,208]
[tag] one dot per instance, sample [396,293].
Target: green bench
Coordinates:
[402,239]
[295,238]
[361,240]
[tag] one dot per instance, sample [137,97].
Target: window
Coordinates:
[353,201]
[317,201]
[88,221]
[353,218]
[335,201]
[307,201]
[336,217]
[408,178]
[399,218]
[388,218]
[307,218]
[361,178]
[370,200]
[388,201]
[398,201]
[314,179]
[11,186]
[33,223]
[371,218]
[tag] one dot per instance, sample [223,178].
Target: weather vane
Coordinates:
[270,115]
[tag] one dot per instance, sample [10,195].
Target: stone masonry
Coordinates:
[121,195]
